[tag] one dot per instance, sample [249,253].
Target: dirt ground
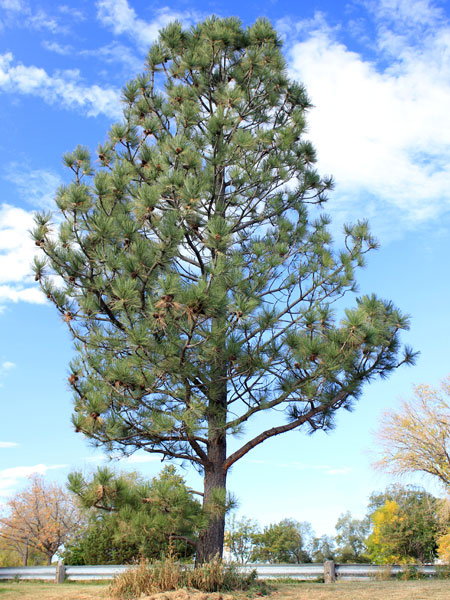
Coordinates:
[372,590]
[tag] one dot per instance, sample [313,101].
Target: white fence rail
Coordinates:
[42,573]
[307,571]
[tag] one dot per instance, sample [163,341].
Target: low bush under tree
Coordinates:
[131,518]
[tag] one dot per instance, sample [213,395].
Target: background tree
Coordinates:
[197,289]
[16,554]
[285,542]
[351,539]
[41,518]
[443,548]
[322,549]
[417,437]
[443,539]
[405,526]
[132,518]
[239,536]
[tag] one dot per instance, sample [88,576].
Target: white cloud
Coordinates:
[20,294]
[64,88]
[11,478]
[16,246]
[8,444]
[17,249]
[384,133]
[122,19]
[7,365]
[16,253]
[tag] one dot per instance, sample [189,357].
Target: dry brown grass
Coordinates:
[168,575]
[23,590]
[371,590]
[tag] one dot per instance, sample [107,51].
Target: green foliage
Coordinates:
[196,286]
[239,538]
[323,549]
[132,518]
[18,555]
[283,542]
[351,539]
[100,544]
[405,526]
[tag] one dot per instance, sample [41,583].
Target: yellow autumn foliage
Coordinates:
[417,437]
[39,519]
[380,544]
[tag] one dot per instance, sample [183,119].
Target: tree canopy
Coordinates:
[405,526]
[351,539]
[287,541]
[198,289]
[417,436]
[41,518]
[240,536]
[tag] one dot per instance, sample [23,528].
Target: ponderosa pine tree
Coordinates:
[198,291]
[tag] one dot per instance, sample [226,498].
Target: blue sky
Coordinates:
[378,73]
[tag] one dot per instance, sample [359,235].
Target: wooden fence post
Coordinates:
[329,571]
[60,574]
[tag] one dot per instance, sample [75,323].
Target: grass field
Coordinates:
[371,590]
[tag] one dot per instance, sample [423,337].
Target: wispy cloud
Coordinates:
[5,367]
[72,12]
[11,478]
[57,48]
[63,87]
[12,5]
[382,127]
[116,53]
[21,13]
[299,466]
[8,444]
[137,458]
[37,187]
[140,459]
[122,19]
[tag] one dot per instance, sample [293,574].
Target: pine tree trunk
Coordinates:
[210,543]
